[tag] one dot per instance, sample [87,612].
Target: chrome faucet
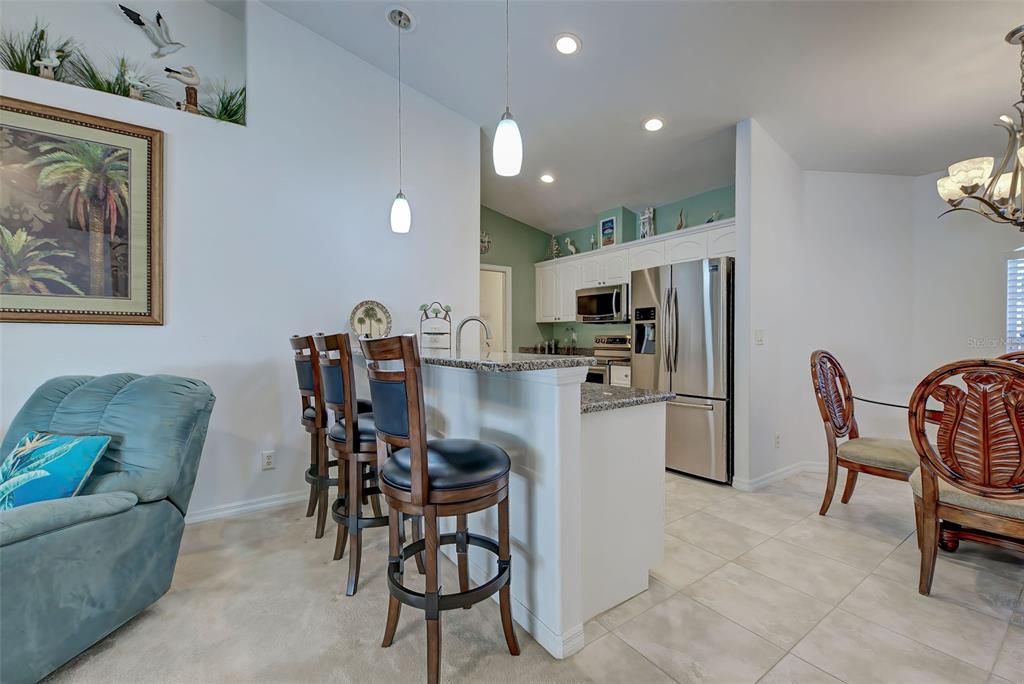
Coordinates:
[462,324]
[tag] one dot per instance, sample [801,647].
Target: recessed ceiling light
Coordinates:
[547,178]
[567,44]
[654,124]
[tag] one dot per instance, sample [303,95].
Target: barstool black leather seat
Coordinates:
[367,429]
[451,464]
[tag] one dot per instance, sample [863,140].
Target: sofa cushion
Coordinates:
[894,454]
[34,519]
[44,466]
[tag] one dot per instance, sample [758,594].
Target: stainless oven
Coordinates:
[608,304]
[609,350]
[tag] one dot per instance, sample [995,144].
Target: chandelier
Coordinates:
[978,185]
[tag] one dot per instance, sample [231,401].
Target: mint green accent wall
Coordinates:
[520,246]
[698,208]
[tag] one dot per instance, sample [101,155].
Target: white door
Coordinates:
[547,296]
[495,306]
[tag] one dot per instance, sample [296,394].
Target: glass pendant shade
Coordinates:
[401,214]
[1002,188]
[949,191]
[508,147]
[972,172]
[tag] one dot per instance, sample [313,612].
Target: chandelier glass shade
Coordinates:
[980,185]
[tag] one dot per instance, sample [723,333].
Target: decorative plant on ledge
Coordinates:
[126,77]
[228,105]
[20,51]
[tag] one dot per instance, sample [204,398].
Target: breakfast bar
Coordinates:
[586,490]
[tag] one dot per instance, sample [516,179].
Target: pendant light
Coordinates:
[401,213]
[507,152]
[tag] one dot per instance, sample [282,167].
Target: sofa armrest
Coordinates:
[39,518]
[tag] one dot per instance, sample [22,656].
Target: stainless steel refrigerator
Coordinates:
[683,343]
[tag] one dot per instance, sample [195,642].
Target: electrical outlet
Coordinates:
[778,440]
[267,460]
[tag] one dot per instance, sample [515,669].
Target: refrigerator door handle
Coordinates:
[675,333]
[666,342]
[702,407]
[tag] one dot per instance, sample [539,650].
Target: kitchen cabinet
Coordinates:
[647,256]
[604,269]
[556,292]
[620,376]
[686,248]
[547,292]
[722,242]
[568,277]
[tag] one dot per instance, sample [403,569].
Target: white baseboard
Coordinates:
[247,506]
[780,474]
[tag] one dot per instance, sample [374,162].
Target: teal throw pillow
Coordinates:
[44,466]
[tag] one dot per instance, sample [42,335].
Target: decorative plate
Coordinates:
[370,318]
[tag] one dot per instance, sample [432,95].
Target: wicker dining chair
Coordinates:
[890,458]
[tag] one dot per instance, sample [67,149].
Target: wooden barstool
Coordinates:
[352,439]
[435,478]
[314,420]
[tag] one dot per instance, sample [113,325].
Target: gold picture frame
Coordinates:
[84,199]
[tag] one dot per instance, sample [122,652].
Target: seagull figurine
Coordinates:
[157,30]
[187,75]
[48,64]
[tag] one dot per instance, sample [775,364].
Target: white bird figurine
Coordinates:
[157,30]
[187,75]
[135,84]
[190,77]
[48,64]
[570,246]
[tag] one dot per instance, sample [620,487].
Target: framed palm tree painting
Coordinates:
[80,218]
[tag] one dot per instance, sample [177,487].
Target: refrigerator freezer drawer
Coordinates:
[697,437]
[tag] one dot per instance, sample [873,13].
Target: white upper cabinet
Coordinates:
[556,292]
[547,293]
[647,256]
[604,269]
[686,248]
[722,242]
[568,283]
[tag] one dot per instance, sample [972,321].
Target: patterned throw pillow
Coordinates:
[44,466]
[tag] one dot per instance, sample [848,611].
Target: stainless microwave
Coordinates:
[608,304]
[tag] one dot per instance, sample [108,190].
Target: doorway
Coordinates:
[496,306]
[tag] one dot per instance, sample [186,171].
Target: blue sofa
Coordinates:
[74,570]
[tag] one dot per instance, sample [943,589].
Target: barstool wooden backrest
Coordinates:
[338,382]
[398,412]
[307,372]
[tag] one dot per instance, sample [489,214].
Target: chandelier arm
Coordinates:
[1011,153]
[973,211]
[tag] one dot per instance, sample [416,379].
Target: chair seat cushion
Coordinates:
[948,494]
[893,454]
[451,464]
[367,429]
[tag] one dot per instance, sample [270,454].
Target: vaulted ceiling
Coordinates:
[880,87]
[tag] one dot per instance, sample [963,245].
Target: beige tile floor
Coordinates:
[753,588]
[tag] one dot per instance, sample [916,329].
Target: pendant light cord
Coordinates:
[399,108]
[507,100]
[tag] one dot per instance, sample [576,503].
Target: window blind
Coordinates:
[1014,304]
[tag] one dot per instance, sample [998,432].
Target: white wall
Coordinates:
[214,40]
[272,229]
[858,264]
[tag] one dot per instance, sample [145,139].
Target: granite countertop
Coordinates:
[606,397]
[503,362]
